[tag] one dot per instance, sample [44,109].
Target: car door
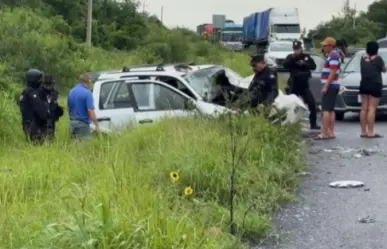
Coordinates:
[154,100]
[315,81]
[113,105]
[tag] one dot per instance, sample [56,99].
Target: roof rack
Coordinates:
[160,66]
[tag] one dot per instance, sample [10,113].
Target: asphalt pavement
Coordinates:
[329,218]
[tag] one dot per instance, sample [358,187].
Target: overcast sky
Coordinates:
[190,13]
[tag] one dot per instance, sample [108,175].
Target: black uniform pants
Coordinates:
[34,134]
[306,95]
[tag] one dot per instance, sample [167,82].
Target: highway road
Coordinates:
[329,218]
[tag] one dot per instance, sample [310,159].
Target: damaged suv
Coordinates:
[133,98]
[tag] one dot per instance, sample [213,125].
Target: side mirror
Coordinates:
[189,105]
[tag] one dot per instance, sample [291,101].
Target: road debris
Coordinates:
[304,173]
[346,184]
[366,220]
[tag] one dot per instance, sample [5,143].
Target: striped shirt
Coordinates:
[331,63]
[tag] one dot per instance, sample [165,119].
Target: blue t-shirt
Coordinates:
[80,99]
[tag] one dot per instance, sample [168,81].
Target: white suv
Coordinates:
[133,98]
[130,100]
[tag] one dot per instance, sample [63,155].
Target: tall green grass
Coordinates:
[116,192]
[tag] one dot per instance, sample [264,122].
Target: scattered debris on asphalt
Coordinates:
[357,155]
[304,173]
[346,184]
[366,220]
[367,189]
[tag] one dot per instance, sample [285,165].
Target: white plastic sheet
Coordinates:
[292,105]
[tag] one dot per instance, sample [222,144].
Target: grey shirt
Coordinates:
[371,70]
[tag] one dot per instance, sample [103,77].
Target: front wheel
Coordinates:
[340,116]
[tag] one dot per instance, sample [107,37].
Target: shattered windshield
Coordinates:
[200,80]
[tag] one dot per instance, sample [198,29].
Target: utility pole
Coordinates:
[89,21]
[162,14]
[354,17]
[143,7]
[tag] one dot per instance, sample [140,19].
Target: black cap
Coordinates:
[297,44]
[257,59]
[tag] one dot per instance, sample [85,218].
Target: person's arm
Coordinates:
[38,106]
[310,63]
[90,109]
[289,62]
[273,83]
[254,93]
[334,64]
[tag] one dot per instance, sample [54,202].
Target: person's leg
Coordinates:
[332,101]
[325,117]
[363,114]
[373,103]
[308,98]
[80,129]
[328,101]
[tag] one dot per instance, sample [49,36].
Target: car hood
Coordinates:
[353,79]
[279,55]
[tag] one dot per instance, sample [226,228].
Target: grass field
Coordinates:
[117,192]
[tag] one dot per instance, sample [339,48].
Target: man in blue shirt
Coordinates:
[80,104]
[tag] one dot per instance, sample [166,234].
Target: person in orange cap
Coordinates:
[330,88]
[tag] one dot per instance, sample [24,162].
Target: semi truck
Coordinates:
[231,36]
[274,24]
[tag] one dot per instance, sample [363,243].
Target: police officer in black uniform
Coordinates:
[263,88]
[51,96]
[299,65]
[34,110]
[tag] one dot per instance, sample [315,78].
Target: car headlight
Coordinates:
[342,89]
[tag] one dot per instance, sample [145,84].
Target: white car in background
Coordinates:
[133,98]
[276,53]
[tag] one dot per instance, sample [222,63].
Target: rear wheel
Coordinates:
[340,116]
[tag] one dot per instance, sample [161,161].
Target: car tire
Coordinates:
[340,116]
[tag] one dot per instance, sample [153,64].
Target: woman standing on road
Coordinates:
[371,84]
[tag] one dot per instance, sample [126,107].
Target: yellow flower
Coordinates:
[188,191]
[174,176]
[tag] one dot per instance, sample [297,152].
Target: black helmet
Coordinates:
[34,78]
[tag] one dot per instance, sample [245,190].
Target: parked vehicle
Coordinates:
[231,36]
[274,24]
[383,42]
[349,99]
[133,98]
[277,52]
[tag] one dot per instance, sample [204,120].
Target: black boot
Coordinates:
[315,127]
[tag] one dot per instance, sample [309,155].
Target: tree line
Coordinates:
[356,28]
[116,24]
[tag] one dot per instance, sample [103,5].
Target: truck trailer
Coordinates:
[274,24]
[205,28]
